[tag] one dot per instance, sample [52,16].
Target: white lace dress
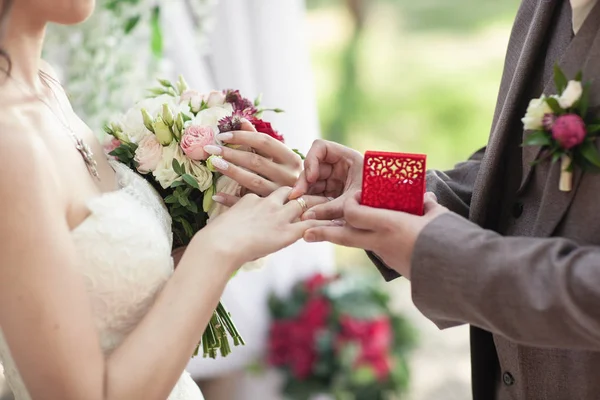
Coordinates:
[125,252]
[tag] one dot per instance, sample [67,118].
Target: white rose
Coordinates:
[164,173]
[148,154]
[193,99]
[202,174]
[535,114]
[571,94]
[215,99]
[212,116]
[133,126]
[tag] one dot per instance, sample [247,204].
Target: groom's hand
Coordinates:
[333,171]
[389,234]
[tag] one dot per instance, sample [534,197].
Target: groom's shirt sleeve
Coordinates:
[453,189]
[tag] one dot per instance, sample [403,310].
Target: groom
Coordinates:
[524,269]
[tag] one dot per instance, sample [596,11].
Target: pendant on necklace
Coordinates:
[88,156]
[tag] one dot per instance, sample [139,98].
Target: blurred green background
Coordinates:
[417,76]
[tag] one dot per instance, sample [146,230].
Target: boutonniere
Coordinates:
[561,125]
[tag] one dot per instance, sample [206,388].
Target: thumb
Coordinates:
[247,126]
[331,210]
[430,202]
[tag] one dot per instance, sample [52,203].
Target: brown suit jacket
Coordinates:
[529,282]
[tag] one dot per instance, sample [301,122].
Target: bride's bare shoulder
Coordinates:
[24,156]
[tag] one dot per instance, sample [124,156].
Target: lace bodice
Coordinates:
[125,252]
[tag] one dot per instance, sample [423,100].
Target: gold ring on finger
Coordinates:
[302,203]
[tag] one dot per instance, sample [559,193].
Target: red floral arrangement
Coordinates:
[337,337]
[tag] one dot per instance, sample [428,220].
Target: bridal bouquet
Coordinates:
[337,338]
[162,138]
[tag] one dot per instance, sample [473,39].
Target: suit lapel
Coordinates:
[571,63]
[583,55]
[531,26]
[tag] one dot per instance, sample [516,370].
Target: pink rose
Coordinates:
[148,154]
[569,130]
[194,140]
[193,98]
[215,98]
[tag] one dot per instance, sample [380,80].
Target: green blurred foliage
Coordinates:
[414,76]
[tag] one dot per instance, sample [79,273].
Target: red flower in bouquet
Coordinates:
[266,128]
[315,313]
[374,338]
[316,282]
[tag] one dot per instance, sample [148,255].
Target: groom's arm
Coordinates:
[453,189]
[533,291]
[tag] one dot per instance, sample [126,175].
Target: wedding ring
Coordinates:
[302,203]
[330,199]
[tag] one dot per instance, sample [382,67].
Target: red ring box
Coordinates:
[394,181]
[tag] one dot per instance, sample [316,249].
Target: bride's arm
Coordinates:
[45,314]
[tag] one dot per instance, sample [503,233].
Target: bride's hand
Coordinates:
[271,166]
[256,227]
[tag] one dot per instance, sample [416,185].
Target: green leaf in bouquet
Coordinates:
[157,37]
[190,180]
[131,23]
[184,201]
[171,199]
[590,152]
[595,128]
[177,184]
[583,103]
[538,138]
[207,200]
[553,104]
[193,207]
[187,227]
[363,375]
[178,168]
[560,80]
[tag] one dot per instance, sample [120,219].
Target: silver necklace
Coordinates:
[84,150]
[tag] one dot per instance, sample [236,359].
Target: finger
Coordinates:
[254,162]
[346,236]
[303,187]
[372,219]
[225,199]
[431,203]
[318,188]
[247,126]
[280,195]
[324,152]
[331,210]
[262,144]
[247,179]
[295,208]
[315,156]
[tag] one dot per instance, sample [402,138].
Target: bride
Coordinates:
[91,305]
